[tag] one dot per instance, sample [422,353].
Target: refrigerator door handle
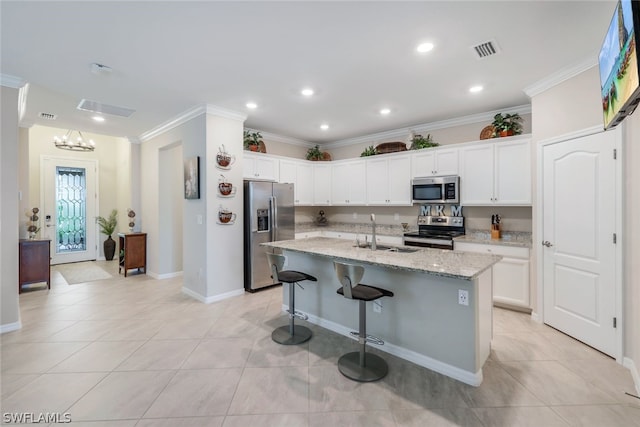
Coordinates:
[274,216]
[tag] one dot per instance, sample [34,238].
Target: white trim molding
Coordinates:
[8,80]
[560,77]
[628,363]
[281,138]
[172,123]
[9,327]
[224,113]
[214,298]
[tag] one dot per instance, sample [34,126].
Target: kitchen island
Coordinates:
[423,322]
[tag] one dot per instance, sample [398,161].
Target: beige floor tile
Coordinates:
[159,355]
[33,358]
[499,388]
[272,390]
[247,326]
[266,352]
[219,353]
[36,332]
[519,417]
[600,416]
[51,393]
[121,395]
[326,347]
[607,375]
[554,384]
[133,329]
[10,383]
[84,330]
[563,347]
[201,392]
[183,422]
[518,347]
[437,417]
[98,357]
[267,420]
[188,328]
[124,423]
[352,419]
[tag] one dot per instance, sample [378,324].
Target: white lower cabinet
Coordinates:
[510,275]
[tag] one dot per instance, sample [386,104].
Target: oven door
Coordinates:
[426,242]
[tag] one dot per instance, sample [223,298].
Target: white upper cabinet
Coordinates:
[348,183]
[259,167]
[300,174]
[496,173]
[389,181]
[322,183]
[435,162]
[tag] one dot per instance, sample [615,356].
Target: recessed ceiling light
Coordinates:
[324,126]
[98,118]
[424,47]
[307,91]
[385,111]
[252,105]
[475,89]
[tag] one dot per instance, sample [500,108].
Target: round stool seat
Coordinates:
[367,293]
[290,276]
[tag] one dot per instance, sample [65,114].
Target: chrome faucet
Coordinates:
[373,232]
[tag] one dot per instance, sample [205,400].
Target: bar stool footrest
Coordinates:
[298,315]
[370,338]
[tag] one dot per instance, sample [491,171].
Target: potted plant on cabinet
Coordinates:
[369,151]
[252,140]
[418,142]
[506,125]
[107,227]
[315,153]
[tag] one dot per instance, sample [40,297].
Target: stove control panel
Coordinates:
[449,221]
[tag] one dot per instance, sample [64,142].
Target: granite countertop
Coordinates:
[521,239]
[445,263]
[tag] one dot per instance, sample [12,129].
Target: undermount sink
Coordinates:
[388,248]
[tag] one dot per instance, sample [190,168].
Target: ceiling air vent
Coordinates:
[47,116]
[486,49]
[98,107]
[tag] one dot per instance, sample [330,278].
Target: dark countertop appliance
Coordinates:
[435,232]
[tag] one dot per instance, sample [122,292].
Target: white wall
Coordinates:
[9,310]
[171,181]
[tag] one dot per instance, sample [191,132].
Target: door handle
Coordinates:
[547,243]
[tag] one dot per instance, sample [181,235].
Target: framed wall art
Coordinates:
[192,178]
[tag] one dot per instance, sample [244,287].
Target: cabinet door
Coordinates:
[399,181]
[248,166]
[511,282]
[322,184]
[265,168]
[357,179]
[377,182]
[423,164]
[476,175]
[446,162]
[287,172]
[340,184]
[513,173]
[304,184]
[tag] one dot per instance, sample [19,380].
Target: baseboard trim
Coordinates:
[9,327]
[535,317]
[471,378]
[168,275]
[214,298]
[628,363]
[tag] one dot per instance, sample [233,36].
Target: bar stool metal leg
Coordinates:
[291,334]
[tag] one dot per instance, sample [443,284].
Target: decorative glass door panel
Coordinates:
[71,201]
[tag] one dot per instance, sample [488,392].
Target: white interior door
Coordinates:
[579,222]
[69,198]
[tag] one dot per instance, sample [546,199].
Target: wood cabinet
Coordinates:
[434,162]
[259,167]
[388,181]
[510,274]
[497,173]
[349,183]
[34,258]
[132,251]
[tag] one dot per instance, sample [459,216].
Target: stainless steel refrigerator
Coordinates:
[269,215]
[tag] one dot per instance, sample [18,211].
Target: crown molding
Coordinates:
[402,133]
[281,138]
[173,123]
[224,113]
[560,77]
[133,140]
[11,81]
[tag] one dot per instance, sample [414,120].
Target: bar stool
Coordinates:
[360,365]
[289,334]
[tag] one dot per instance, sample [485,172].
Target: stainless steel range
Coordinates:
[435,232]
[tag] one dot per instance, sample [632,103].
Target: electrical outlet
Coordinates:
[463,297]
[377,306]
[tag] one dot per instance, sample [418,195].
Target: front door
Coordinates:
[579,221]
[69,208]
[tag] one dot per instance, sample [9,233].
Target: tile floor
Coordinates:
[137,352]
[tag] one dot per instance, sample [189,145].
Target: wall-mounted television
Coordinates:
[618,62]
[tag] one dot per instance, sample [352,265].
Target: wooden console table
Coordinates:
[132,252]
[35,262]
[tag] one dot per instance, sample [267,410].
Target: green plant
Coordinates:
[508,123]
[418,142]
[251,138]
[369,151]
[108,225]
[314,153]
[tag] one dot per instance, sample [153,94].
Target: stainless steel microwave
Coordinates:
[436,189]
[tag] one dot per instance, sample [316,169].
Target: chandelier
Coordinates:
[67,142]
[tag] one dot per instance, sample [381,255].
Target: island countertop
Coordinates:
[439,262]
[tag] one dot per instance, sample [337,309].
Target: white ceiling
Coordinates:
[168,57]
